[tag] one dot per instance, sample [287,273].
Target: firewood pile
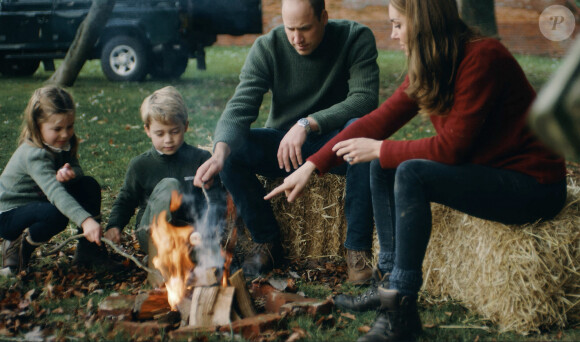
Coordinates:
[213,309]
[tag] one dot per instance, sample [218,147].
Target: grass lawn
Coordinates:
[58,301]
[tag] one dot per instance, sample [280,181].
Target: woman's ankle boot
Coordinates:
[398,319]
[369,300]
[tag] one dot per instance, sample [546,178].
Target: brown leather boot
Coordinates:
[369,300]
[398,319]
[359,266]
[10,252]
[262,258]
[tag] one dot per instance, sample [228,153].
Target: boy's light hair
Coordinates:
[165,105]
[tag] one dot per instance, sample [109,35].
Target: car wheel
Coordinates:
[124,59]
[169,65]
[18,67]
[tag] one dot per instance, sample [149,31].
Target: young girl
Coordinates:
[43,186]
[483,161]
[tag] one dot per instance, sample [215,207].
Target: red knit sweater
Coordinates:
[486,125]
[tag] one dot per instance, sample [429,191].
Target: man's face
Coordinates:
[303,29]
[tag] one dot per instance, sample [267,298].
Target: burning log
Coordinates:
[151,304]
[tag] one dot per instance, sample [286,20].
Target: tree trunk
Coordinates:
[479,14]
[85,39]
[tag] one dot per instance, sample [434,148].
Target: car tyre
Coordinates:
[18,67]
[124,58]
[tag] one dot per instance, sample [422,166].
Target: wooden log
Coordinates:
[202,302]
[242,296]
[223,306]
[150,304]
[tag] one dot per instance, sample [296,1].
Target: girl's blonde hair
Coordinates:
[436,38]
[43,103]
[165,105]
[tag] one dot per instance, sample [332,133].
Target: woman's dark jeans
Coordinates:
[402,198]
[43,219]
[258,156]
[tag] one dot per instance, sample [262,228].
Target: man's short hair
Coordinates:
[318,6]
[165,105]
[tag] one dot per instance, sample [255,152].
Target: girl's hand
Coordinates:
[293,184]
[92,230]
[65,173]
[358,150]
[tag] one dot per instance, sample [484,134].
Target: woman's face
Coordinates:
[399,32]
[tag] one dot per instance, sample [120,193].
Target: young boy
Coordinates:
[169,165]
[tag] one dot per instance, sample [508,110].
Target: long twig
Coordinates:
[127,255]
[62,244]
[108,242]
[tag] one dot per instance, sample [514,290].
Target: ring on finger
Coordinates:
[349,159]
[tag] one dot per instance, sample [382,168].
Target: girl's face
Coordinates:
[399,23]
[57,130]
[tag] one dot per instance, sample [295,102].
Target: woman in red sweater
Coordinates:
[483,160]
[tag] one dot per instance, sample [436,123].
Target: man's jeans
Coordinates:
[401,200]
[258,156]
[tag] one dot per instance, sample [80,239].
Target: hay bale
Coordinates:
[314,225]
[521,278]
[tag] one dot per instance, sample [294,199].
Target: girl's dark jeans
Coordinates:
[402,210]
[43,219]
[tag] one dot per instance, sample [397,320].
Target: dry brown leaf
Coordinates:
[348,315]
[364,329]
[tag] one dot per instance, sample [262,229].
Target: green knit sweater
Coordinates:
[30,176]
[336,82]
[147,169]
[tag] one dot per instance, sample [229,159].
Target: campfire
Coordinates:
[194,291]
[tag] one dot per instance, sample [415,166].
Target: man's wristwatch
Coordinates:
[306,124]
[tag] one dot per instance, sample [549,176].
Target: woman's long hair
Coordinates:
[44,102]
[436,38]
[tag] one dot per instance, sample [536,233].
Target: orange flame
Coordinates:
[172,258]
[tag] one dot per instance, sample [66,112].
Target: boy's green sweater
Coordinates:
[337,82]
[144,173]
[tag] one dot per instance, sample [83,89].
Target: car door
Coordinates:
[25,24]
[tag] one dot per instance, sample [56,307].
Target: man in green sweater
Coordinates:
[321,73]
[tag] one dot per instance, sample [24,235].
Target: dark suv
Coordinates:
[141,37]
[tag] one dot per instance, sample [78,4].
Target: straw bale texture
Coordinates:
[314,225]
[521,278]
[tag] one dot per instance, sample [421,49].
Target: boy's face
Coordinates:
[167,138]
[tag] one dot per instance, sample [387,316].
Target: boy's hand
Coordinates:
[92,230]
[207,171]
[65,173]
[113,234]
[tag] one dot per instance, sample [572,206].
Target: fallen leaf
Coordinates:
[58,310]
[279,284]
[35,335]
[348,315]
[364,329]
[448,313]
